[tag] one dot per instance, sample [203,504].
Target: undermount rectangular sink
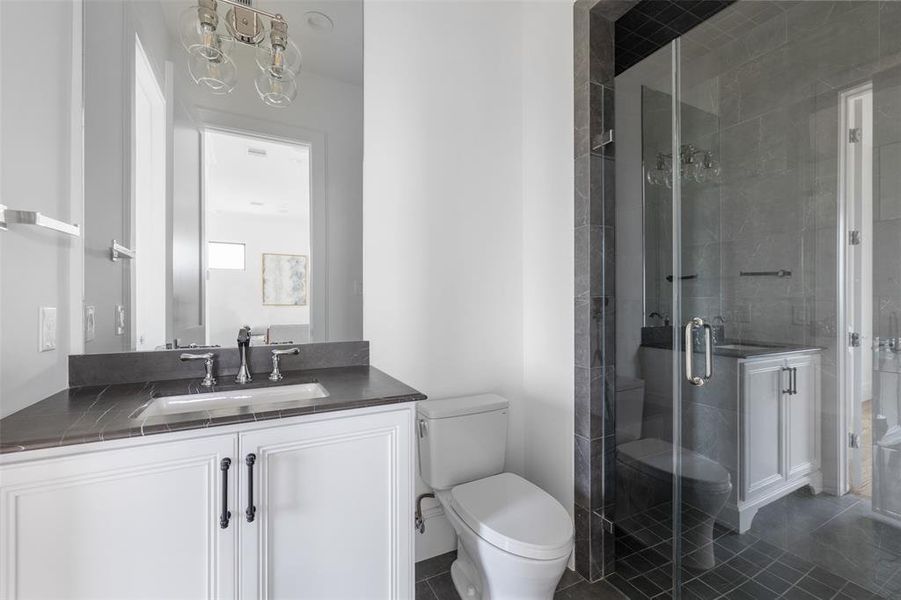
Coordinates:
[272,398]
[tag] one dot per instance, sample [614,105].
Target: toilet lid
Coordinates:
[655,457]
[515,515]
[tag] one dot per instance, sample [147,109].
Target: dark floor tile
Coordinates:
[698,590]
[736,543]
[758,559]
[795,562]
[831,579]
[772,582]
[815,588]
[784,571]
[626,588]
[744,567]
[569,578]
[662,577]
[423,591]
[750,590]
[591,591]
[646,586]
[767,549]
[435,565]
[443,587]
[855,592]
[797,593]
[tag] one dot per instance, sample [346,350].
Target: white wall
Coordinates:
[36,173]
[468,216]
[235,297]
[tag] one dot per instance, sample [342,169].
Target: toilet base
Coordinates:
[464,575]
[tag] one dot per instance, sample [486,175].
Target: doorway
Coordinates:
[257,236]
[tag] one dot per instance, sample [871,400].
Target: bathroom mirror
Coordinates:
[222,172]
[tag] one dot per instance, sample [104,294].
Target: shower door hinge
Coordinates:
[854,238]
[854,339]
[853,440]
[855,135]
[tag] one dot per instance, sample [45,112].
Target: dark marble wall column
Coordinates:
[594,277]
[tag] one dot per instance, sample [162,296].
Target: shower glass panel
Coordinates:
[758,440]
[786,291]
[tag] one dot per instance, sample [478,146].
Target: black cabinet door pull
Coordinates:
[251,511]
[225,515]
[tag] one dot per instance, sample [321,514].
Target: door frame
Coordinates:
[208,119]
[850,298]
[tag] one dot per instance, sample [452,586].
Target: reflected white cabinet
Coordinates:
[779,417]
[138,522]
[330,499]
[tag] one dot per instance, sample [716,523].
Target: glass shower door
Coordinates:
[786,236]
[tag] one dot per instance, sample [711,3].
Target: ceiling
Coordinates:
[256,176]
[337,54]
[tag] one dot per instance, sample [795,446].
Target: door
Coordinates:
[132,523]
[763,384]
[802,435]
[326,509]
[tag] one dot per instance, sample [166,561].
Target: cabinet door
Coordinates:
[138,522]
[333,504]
[762,417]
[801,427]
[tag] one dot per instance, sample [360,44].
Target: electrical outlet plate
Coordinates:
[89,324]
[47,329]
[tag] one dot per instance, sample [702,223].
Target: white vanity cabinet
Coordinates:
[333,506]
[140,522]
[333,499]
[779,420]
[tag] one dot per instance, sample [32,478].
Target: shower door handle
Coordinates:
[688,336]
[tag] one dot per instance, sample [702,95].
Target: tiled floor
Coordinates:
[433,582]
[800,547]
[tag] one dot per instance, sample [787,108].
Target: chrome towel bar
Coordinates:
[779,273]
[118,251]
[38,219]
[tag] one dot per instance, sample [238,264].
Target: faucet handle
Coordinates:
[276,375]
[207,357]
[288,351]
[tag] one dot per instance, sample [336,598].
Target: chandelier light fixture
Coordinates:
[695,164]
[210,46]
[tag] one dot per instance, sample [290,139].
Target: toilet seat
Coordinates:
[654,458]
[514,515]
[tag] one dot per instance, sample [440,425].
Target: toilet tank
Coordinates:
[461,439]
[629,409]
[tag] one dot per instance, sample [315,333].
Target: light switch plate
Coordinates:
[47,329]
[89,323]
[120,319]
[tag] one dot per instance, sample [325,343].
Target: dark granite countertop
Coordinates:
[85,414]
[747,349]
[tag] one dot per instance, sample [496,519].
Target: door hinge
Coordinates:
[854,339]
[853,440]
[855,135]
[854,238]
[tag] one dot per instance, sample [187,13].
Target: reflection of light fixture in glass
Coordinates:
[211,65]
[690,168]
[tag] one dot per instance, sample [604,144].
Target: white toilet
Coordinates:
[513,538]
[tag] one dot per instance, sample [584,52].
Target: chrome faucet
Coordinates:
[208,380]
[243,375]
[276,375]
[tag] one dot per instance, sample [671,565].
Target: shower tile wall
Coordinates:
[594,293]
